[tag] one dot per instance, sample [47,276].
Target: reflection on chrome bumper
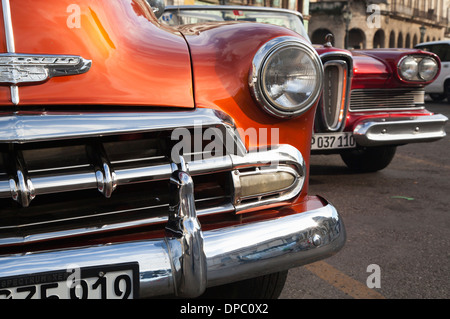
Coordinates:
[389,131]
[229,254]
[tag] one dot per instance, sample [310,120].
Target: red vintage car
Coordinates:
[137,160]
[373,100]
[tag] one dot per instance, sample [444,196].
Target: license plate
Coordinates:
[330,141]
[117,281]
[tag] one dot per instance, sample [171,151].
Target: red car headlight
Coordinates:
[428,68]
[409,68]
[418,68]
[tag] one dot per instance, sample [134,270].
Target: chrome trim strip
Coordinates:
[233,253]
[10,44]
[82,178]
[7,20]
[226,208]
[391,131]
[48,126]
[390,109]
[348,57]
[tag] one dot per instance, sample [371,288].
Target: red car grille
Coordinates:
[382,99]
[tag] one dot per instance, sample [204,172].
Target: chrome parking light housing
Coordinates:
[286,76]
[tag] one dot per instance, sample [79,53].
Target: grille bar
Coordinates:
[43,127]
[80,179]
[382,99]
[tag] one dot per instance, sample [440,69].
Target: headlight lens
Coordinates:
[287,76]
[428,69]
[409,68]
[418,68]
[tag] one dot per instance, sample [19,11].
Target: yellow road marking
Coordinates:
[343,282]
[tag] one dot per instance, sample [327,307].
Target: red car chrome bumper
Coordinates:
[391,131]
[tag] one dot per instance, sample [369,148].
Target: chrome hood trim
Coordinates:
[47,126]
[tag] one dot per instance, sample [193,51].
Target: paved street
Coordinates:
[397,219]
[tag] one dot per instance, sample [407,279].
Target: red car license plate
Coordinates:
[330,141]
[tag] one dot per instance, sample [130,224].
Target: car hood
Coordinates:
[369,71]
[130,60]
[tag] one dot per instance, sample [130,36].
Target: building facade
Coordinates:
[362,24]
[286,4]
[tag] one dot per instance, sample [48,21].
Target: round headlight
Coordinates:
[409,68]
[287,76]
[428,69]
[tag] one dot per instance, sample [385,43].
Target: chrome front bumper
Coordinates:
[391,131]
[186,263]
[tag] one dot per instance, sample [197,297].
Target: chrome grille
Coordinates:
[381,99]
[53,176]
[62,182]
[333,105]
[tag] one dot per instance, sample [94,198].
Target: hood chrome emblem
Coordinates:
[28,68]
[17,68]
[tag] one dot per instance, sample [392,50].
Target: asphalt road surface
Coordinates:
[398,227]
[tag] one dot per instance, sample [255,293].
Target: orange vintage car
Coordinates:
[139,161]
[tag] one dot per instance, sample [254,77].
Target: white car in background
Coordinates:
[440,88]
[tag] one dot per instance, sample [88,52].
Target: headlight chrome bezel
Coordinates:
[260,61]
[417,76]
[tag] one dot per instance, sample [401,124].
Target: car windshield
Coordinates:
[179,16]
